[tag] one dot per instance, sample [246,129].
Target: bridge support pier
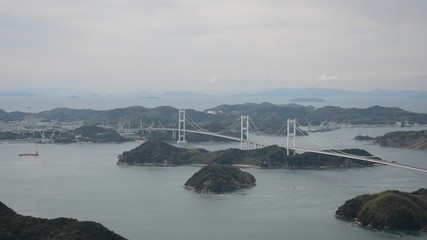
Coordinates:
[293,134]
[244,131]
[181,126]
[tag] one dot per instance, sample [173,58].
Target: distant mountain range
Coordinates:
[326,92]
[267,116]
[280,92]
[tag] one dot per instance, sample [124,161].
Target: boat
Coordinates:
[29,154]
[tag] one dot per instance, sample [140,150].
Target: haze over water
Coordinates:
[83,181]
[38,104]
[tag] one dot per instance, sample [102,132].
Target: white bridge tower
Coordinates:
[244,131]
[292,123]
[181,126]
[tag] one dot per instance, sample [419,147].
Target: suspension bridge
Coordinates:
[248,128]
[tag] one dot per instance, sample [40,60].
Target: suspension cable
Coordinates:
[281,130]
[314,140]
[415,146]
[199,128]
[235,124]
[257,130]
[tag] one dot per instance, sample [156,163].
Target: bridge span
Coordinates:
[251,142]
[292,128]
[361,158]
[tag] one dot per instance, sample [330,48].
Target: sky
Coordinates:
[220,46]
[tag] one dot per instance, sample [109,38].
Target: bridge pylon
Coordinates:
[244,132]
[181,126]
[291,123]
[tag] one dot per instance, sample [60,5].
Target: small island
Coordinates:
[217,179]
[363,138]
[16,226]
[163,154]
[390,209]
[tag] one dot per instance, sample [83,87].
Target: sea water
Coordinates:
[83,181]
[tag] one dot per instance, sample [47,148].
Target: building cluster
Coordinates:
[37,125]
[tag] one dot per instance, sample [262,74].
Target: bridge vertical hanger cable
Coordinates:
[314,140]
[233,125]
[400,151]
[198,127]
[260,137]
[281,131]
[194,124]
[319,144]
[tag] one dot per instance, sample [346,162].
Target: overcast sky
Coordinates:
[213,46]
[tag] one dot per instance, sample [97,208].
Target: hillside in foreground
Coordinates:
[389,209]
[14,226]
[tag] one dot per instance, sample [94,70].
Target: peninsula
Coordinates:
[390,209]
[160,153]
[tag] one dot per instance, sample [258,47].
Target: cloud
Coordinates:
[237,44]
[324,77]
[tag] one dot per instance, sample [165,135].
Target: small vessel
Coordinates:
[29,154]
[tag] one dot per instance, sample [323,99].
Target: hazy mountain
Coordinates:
[279,92]
[326,92]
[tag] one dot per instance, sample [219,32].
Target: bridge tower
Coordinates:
[291,123]
[244,131]
[181,126]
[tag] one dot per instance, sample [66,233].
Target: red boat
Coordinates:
[29,154]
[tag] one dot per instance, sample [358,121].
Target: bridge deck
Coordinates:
[361,158]
[208,134]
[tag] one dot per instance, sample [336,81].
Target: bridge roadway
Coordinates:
[207,133]
[361,158]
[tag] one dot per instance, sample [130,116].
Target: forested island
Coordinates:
[161,153]
[403,139]
[399,139]
[390,209]
[14,226]
[219,179]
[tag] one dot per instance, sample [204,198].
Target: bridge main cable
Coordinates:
[361,158]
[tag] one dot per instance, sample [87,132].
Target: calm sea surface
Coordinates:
[83,181]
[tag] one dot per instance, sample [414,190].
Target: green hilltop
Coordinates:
[389,209]
[160,153]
